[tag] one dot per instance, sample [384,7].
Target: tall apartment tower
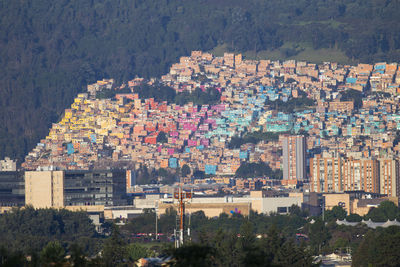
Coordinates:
[294,157]
[130,181]
[389,177]
[326,174]
[361,174]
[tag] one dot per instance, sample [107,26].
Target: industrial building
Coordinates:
[214,206]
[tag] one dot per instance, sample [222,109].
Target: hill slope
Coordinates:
[50,50]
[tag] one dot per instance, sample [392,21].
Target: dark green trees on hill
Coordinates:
[259,169]
[50,50]
[379,248]
[162,93]
[29,230]
[244,249]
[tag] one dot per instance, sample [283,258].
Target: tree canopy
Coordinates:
[292,105]
[29,229]
[258,169]
[253,137]
[387,210]
[379,248]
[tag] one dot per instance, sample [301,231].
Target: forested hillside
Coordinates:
[50,50]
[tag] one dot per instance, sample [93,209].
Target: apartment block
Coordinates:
[326,174]
[389,177]
[361,174]
[294,157]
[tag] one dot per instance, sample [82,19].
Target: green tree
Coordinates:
[297,211]
[379,248]
[335,213]
[136,251]
[143,175]
[318,234]
[10,259]
[291,255]
[258,169]
[226,250]
[185,170]
[354,218]
[292,105]
[114,249]
[341,243]
[53,254]
[29,230]
[78,257]
[249,251]
[386,210]
[353,95]
[193,255]
[162,138]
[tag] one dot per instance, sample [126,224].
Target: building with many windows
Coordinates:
[326,174]
[330,174]
[7,165]
[294,157]
[12,192]
[389,177]
[361,174]
[75,188]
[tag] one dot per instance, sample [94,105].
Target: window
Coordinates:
[282,209]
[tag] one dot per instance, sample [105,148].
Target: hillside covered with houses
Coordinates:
[51,50]
[343,110]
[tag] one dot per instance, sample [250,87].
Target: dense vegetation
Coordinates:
[353,95]
[259,169]
[164,93]
[160,93]
[50,50]
[29,230]
[384,245]
[201,225]
[219,240]
[230,249]
[49,235]
[115,251]
[145,175]
[253,138]
[292,105]
[108,93]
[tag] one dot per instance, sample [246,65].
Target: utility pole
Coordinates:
[190,216]
[155,209]
[181,196]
